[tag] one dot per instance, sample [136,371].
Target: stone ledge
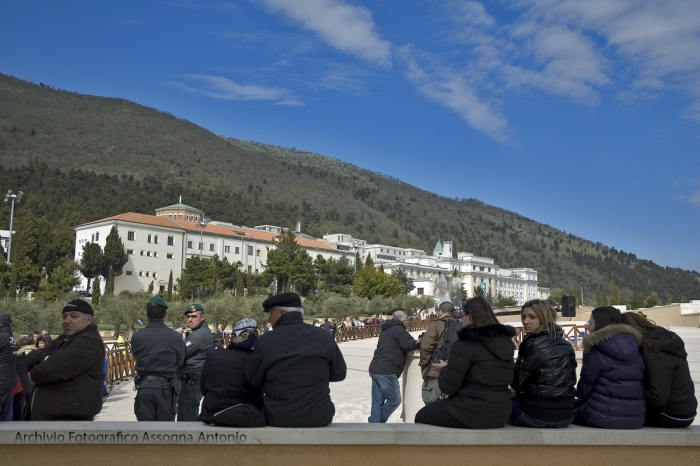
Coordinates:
[171,433]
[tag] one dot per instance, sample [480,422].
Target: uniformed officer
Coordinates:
[198,341]
[158,351]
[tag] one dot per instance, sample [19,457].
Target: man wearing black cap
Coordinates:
[198,341]
[8,365]
[293,366]
[69,379]
[158,351]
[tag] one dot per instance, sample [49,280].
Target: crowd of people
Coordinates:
[634,373]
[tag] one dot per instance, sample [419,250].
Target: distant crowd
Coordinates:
[634,372]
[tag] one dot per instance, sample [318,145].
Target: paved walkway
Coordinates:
[352,397]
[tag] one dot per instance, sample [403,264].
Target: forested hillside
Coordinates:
[79,158]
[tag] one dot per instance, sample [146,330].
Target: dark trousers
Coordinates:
[520,419]
[436,414]
[653,418]
[188,402]
[155,404]
[5,400]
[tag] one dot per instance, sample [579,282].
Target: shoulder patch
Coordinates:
[188,343]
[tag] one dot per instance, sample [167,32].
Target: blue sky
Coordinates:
[581,115]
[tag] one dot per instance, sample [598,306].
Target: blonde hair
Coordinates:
[545,313]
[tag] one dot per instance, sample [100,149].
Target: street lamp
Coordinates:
[12,198]
[202,225]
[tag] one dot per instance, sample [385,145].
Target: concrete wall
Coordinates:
[338,444]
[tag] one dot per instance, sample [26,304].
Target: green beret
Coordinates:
[194,307]
[159,301]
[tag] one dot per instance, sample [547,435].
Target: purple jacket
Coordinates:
[612,375]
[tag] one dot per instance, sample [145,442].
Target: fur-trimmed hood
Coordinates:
[492,337]
[619,341]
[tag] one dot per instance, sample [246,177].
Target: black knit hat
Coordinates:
[80,306]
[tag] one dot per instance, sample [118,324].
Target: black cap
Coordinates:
[5,319]
[282,300]
[80,306]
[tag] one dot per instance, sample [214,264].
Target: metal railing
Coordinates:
[573,333]
[121,361]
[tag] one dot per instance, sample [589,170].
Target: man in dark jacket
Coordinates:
[198,342]
[8,365]
[158,351]
[293,365]
[69,379]
[387,365]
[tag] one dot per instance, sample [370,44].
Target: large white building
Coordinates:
[157,245]
[426,270]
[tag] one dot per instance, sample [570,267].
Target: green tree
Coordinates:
[290,264]
[169,294]
[555,295]
[96,291]
[407,282]
[478,291]
[25,277]
[92,262]
[60,282]
[371,282]
[114,258]
[653,300]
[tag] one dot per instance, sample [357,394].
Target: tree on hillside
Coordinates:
[114,258]
[334,276]
[290,264]
[92,262]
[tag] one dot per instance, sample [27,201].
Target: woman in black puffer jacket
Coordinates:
[545,372]
[669,392]
[476,375]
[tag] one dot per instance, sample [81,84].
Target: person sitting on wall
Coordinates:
[229,400]
[293,365]
[69,378]
[669,392]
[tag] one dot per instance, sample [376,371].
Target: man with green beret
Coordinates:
[198,341]
[158,351]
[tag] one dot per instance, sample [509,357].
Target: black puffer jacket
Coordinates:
[293,364]
[667,384]
[223,382]
[477,375]
[545,376]
[69,381]
[393,344]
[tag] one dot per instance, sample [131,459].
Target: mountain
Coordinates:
[128,157]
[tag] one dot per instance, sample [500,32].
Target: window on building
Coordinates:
[149,238]
[196,218]
[148,274]
[169,256]
[257,252]
[227,248]
[130,235]
[420,292]
[171,241]
[143,252]
[155,253]
[211,246]
[170,216]
[250,269]
[97,236]
[128,272]
[148,253]
[155,239]
[189,245]
[250,250]
[130,251]
[201,246]
[256,270]
[237,250]
[140,273]
[180,216]
[155,275]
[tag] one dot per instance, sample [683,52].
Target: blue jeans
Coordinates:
[386,396]
[520,419]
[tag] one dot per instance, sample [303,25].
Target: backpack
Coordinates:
[449,336]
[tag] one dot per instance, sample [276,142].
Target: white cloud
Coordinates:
[452,90]
[222,88]
[695,198]
[345,27]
